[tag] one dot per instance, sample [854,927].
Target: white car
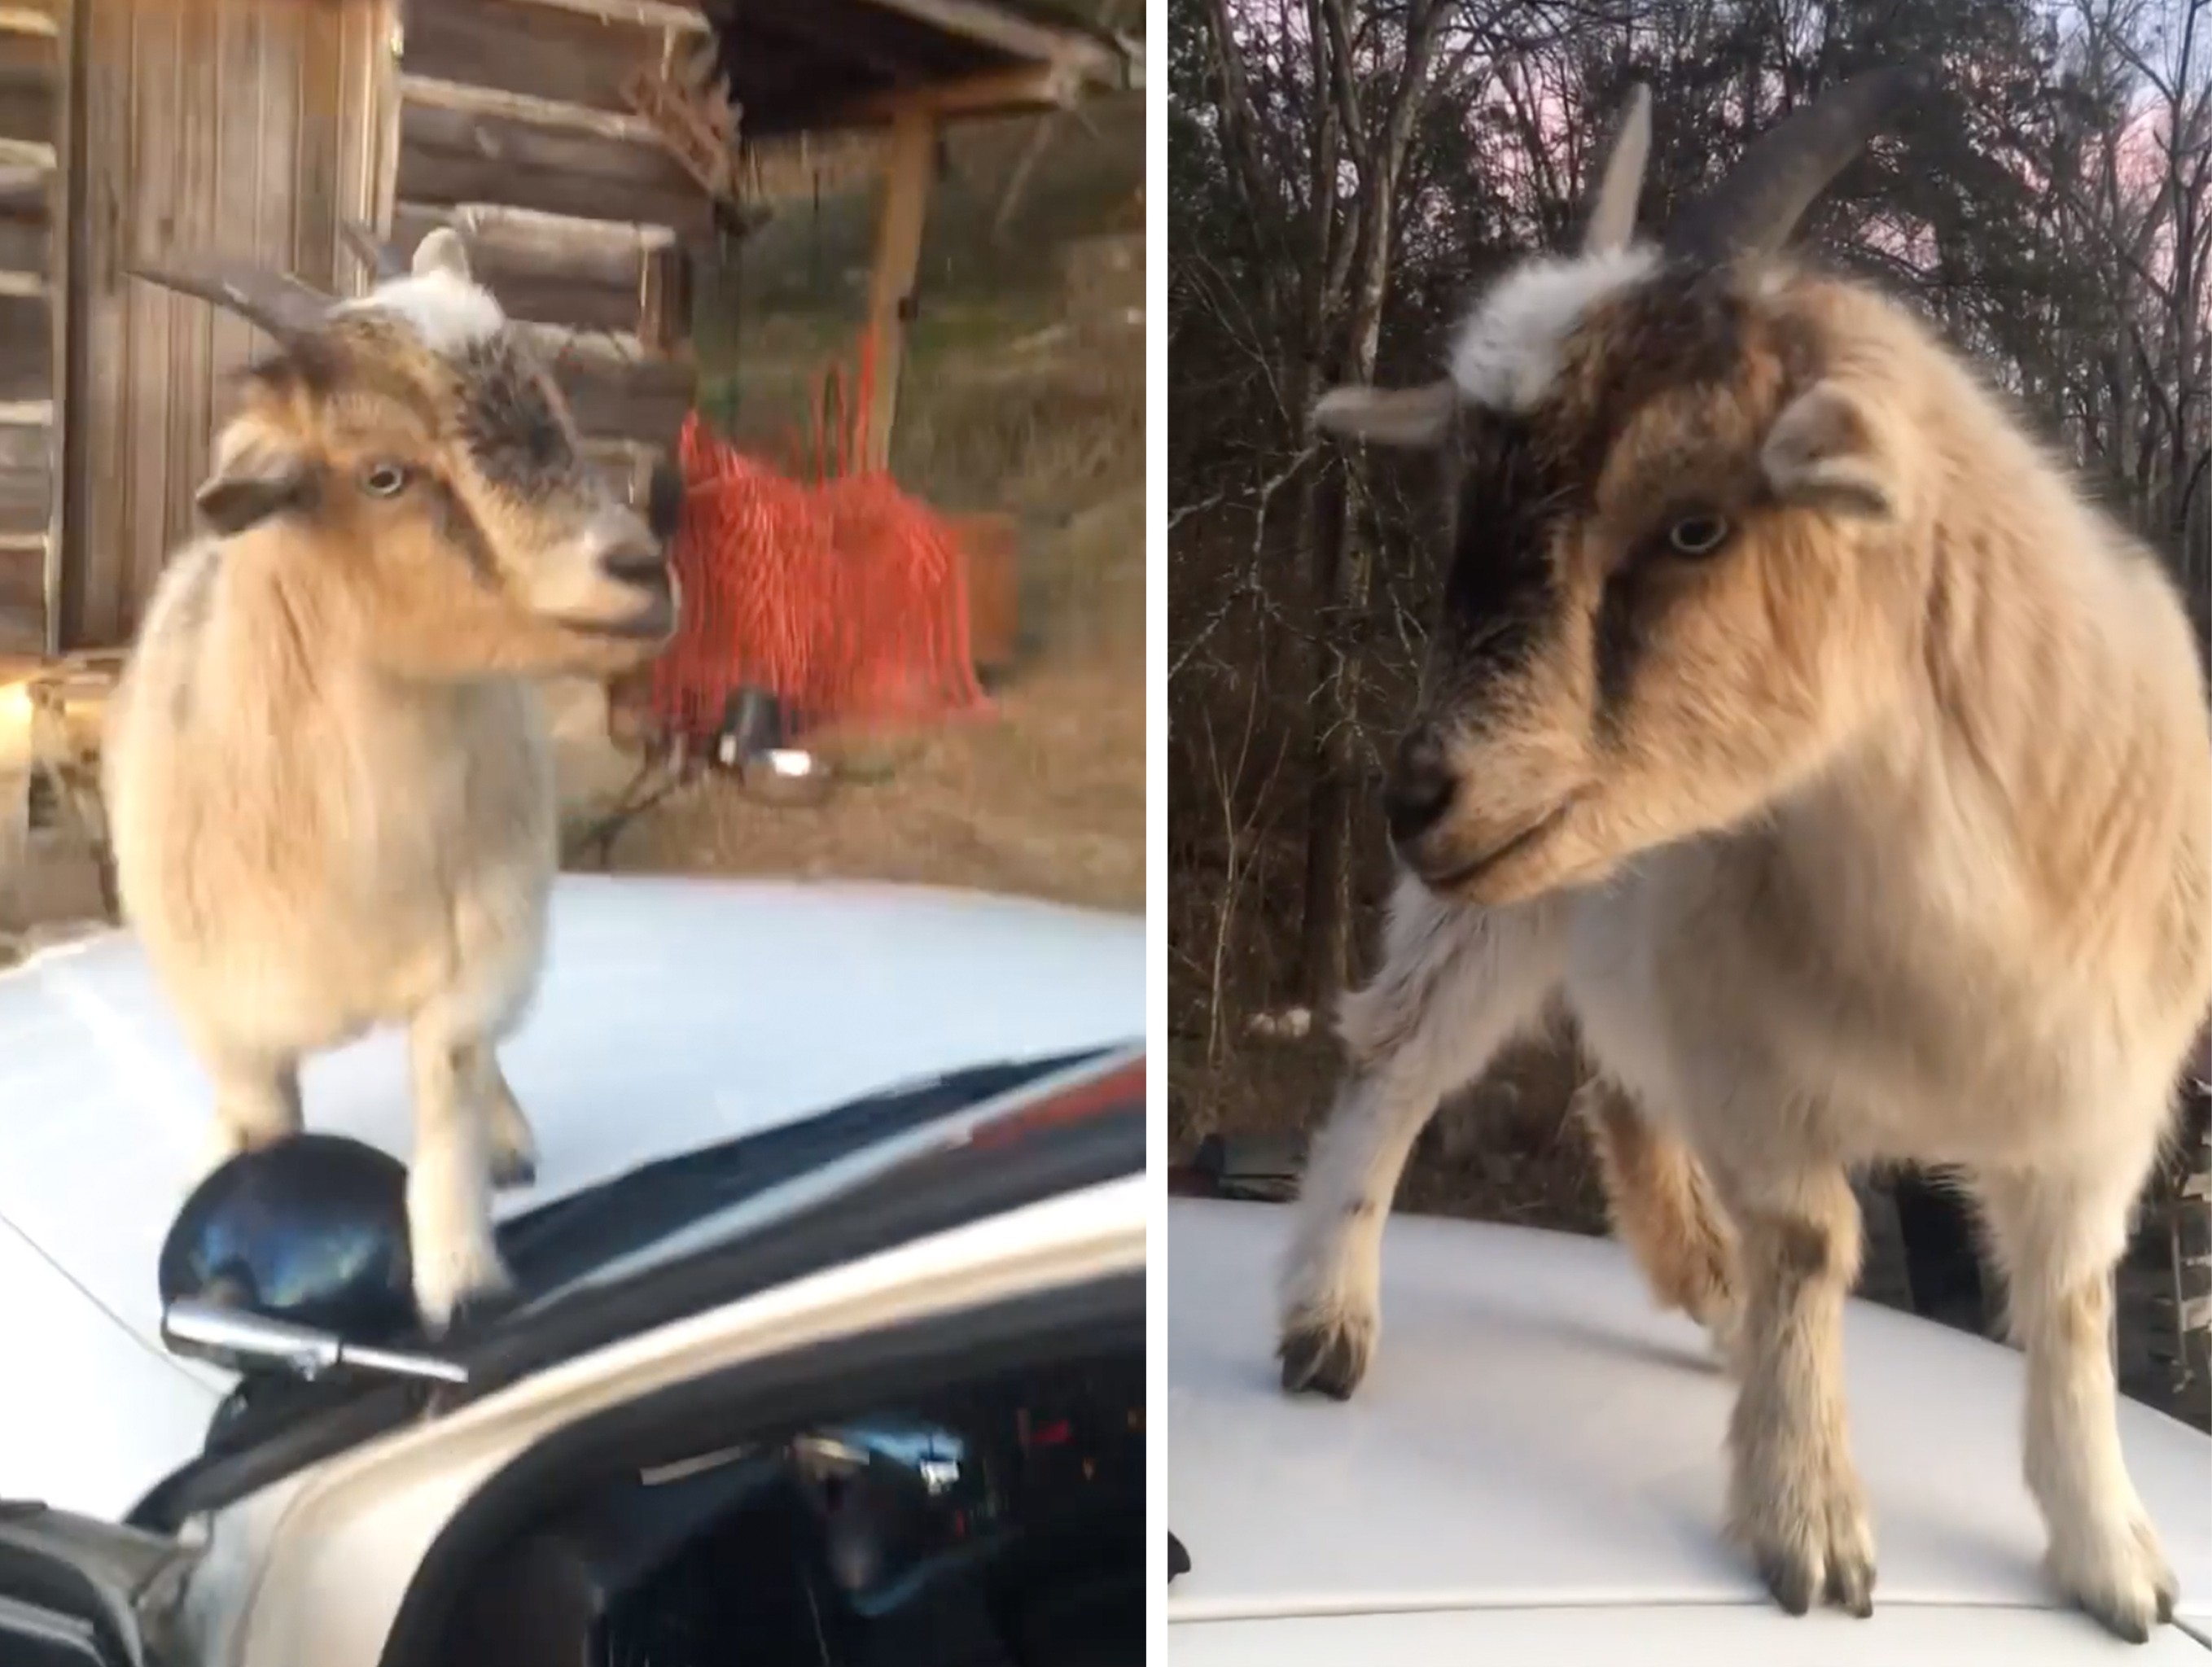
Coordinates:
[1531,1472]
[832,1338]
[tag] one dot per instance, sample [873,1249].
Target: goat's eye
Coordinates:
[384,480]
[1697,535]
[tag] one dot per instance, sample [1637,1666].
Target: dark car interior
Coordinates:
[998,1523]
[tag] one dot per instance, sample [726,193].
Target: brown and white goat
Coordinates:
[1793,719]
[327,772]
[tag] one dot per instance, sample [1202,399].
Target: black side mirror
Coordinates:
[311,1230]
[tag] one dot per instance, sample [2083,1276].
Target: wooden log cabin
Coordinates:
[552,131]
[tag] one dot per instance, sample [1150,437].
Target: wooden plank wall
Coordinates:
[246,127]
[512,126]
[33,133]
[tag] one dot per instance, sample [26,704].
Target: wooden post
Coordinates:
[16,766]
[909,170]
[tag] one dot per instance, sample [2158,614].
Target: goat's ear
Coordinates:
[442,251]
[1388,416]
[1825,450]
[256,478]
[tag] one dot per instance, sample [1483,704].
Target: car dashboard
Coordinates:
[1000,1527]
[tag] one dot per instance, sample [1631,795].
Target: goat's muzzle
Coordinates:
[1470,837]
[638,562]
[1421,786]
[619,587]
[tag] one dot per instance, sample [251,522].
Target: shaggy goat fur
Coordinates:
[1794,720]
[329,778]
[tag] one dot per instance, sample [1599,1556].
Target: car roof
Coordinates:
[1534,1433]
[1897,1634]
[674,1012]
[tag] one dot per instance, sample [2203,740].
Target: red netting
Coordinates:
[845,598]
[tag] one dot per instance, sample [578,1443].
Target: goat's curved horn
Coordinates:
[1613,208]
[383,260]
[1760,203]
[284,307]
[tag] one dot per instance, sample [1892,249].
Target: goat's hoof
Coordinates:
[514,1143]
[1793,1577]
[1325,1356]
[1826,1554]
[2123,1580]
[471,1279]
[482,1308]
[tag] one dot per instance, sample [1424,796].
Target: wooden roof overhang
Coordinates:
[884,76]
[816,66]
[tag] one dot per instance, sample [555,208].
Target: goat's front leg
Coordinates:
[1794,1501]
[1456,985]
[449,1185]
[2059,1239]
[257,1104]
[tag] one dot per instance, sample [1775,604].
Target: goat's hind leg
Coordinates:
[2059,1237]
[1456,985]
[514,1144]
[1662,1209]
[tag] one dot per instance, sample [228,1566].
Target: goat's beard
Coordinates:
[1556,850]
[604,651]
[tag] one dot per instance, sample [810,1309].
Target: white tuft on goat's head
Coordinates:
[412,447]
[1676,584]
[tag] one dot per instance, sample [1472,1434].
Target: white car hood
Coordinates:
[674,1012]
[1535,1433]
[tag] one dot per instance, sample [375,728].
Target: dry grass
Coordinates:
[1504,1151]
[1043,796]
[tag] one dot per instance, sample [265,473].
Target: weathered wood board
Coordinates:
[449,156]
[521,46]
[514,127]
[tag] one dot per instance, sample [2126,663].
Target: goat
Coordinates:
[1793,719]
[327,770]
